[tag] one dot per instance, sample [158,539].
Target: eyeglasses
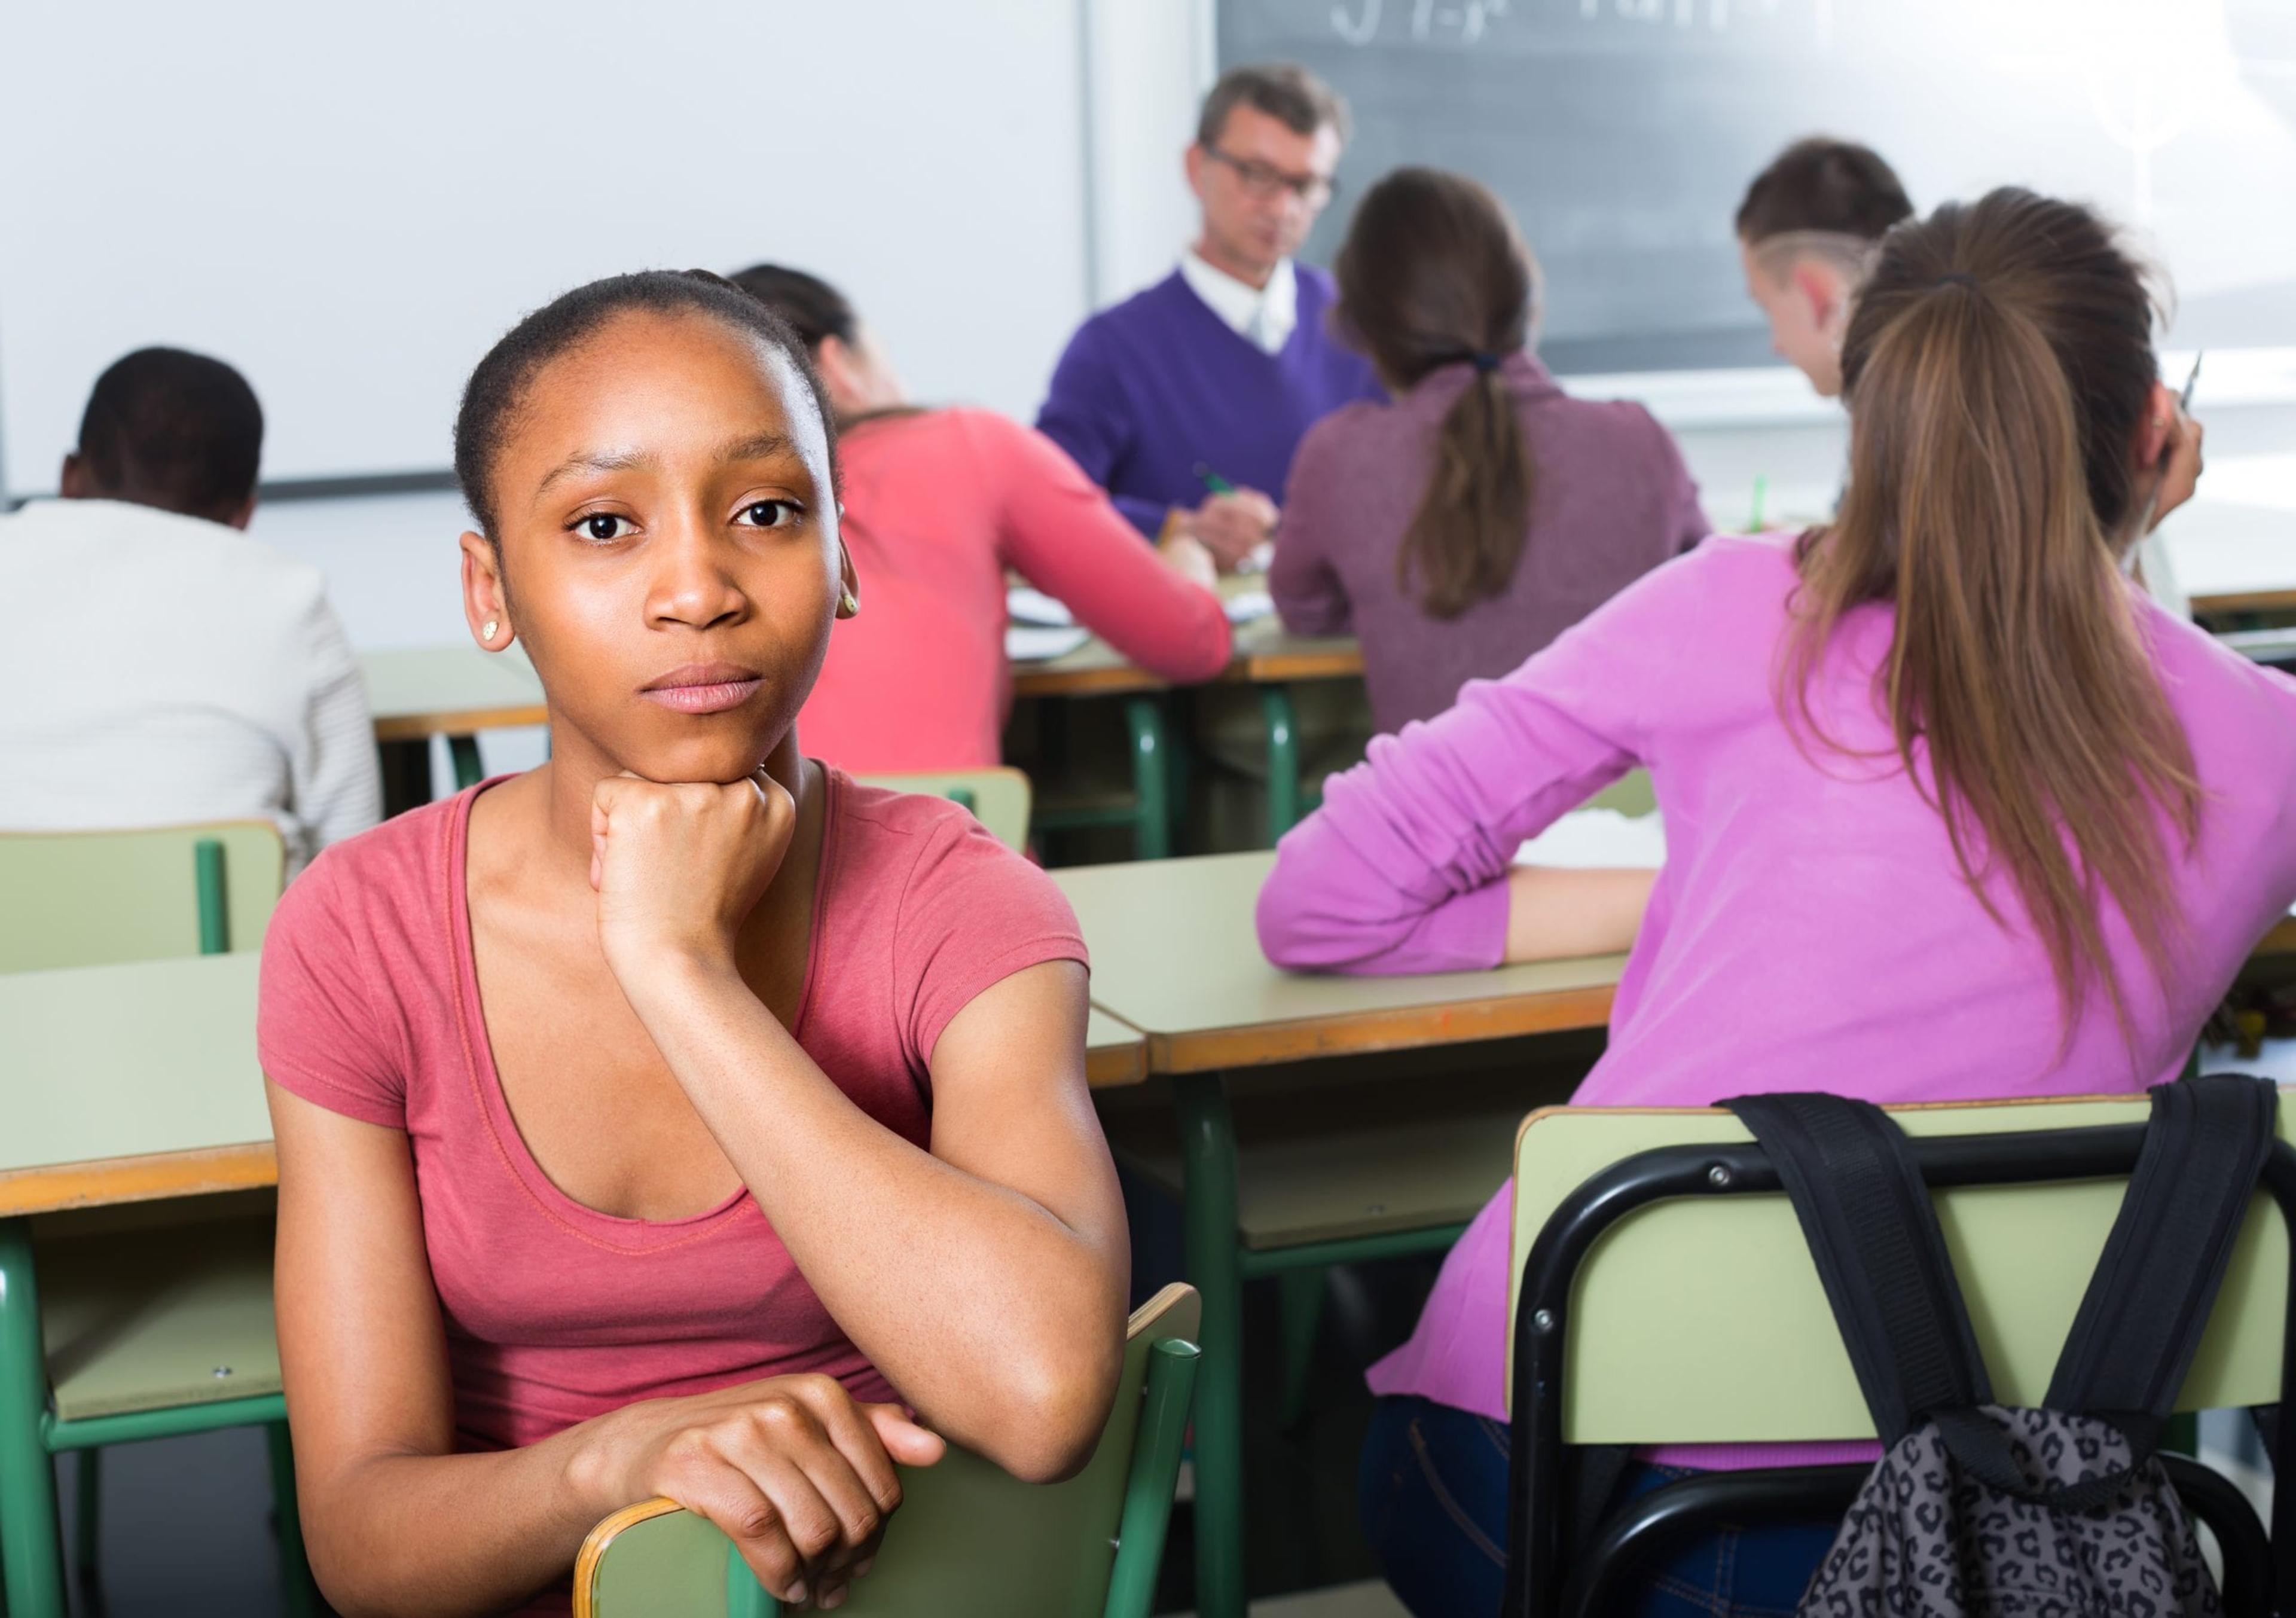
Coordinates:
[1262,181]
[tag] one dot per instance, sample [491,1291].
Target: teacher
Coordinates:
[1186,400]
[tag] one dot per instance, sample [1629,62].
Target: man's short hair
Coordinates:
[1283,90]
[174,430]
[1823,186]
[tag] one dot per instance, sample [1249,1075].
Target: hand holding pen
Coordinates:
[1231,521]
[2168,442]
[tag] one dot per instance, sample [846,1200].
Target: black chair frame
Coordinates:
[1542,1579]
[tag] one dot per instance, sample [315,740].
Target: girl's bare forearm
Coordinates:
[934,1273]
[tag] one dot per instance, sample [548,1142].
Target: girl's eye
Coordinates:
[603,525]
[770,513]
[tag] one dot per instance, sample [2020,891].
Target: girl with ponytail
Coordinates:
[1460,527]
[1953,810]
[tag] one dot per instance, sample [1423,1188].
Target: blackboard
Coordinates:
[1622,133]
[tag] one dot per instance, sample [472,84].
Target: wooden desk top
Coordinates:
[416,692]
[126,1083]
[1175,953]
[1114,1055]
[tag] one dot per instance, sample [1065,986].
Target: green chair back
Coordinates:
[1631,794]
[969,1541]
[96,899]
[1768,1365]
[998,798]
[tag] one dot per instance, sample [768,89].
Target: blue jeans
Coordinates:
[1434,1496]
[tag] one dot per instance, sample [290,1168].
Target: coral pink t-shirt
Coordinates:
[555,1312]
[938,503]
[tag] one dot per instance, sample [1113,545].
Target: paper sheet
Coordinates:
[1041,643]
[1024,605]
[1598,839]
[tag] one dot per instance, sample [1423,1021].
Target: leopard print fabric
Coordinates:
[1925,1542]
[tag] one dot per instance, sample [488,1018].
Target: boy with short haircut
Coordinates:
[1807,232]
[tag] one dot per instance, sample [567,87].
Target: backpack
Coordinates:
[1979,1511]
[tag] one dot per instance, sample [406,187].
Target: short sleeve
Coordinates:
[972,914]
[316,1031]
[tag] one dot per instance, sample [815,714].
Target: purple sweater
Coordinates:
[1151,387]
[1611,499]
[1811,928]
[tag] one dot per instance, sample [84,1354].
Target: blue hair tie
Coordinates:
[1484,361]
[1959,278]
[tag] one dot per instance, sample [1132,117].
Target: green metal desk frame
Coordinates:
[1156,773]
[1219,1265]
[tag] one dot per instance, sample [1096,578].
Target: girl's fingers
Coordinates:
[729,1496]
[907,1442]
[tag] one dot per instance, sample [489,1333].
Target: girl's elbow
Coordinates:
[1056,1411]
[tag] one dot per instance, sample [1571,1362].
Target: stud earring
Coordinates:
[848,605]
[487,632]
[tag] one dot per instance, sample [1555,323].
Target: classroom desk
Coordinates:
[140,1082]
[132,1082]
[1265,656]
[415,692]
[1175,953]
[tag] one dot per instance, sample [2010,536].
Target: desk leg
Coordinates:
[464,751]
[31,1553]
[1283,760]
[405,775]
[1152,790]
[1208,1156]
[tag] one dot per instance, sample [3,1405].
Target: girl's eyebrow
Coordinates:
[756,446]
[594,460]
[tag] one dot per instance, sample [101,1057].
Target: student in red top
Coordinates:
[938,505]
[664,1121]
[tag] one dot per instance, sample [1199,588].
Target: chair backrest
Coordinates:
[1702,1320]
[96,899]
[999,797]
[968,1539]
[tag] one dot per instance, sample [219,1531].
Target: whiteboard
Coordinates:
[1622,133]
[350,203]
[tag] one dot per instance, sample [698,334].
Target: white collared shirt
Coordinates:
[1262,315]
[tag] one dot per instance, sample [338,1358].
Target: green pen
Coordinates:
[1761,489]
[1212,480]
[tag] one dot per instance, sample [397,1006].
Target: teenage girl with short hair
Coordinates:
[1953,810]
[679,1117]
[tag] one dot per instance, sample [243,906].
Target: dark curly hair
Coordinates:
[497,390]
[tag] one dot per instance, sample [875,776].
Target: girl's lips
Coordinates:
[715,697]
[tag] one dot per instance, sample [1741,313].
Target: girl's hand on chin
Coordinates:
[678,866]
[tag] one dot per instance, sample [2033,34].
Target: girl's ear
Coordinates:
[486,600]
[2152,428]
[848,598]
[1823,293]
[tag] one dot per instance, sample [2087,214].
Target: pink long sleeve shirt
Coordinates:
[1811,928]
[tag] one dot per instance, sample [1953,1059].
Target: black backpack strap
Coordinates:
[2149,1300]
[1871,1230]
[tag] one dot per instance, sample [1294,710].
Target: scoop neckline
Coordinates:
[595,1225]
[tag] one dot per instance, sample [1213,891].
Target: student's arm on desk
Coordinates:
[1063,535]
[1408,867]
[1083,414]
[1302,582]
